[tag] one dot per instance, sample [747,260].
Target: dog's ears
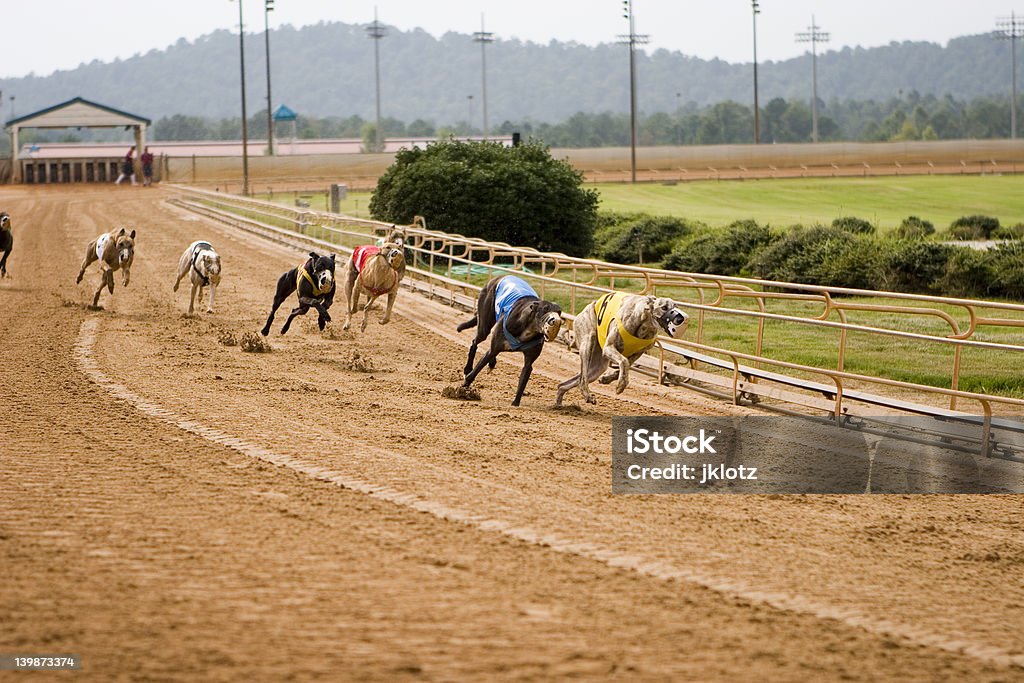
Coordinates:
[131,235]
[120,233]
[313,255]
[652,303]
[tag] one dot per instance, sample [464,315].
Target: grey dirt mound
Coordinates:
[461,393]
[254,343]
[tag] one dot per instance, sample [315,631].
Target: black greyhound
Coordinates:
[314,281]
[6,241]
[516,319]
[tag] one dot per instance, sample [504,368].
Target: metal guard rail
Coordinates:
[678,361]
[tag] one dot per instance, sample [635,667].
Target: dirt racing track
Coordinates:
[176,509]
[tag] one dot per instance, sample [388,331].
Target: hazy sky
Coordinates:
[42,36]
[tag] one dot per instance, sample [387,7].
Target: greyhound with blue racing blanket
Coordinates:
[516,319]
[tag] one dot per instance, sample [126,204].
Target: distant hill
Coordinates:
[327,70]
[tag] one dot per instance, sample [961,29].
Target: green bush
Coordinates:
[1007,263]
[638,238]
[858,226]
[723,252]
[973,227]
[911,266]
[1009,232]
[519,195]
[967,273]
[819,255]
[913,228]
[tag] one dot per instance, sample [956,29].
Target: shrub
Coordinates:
[639,238]
[973,227]
[911,266]
[1009,232]
[1007,263]
[819,255]
[967,273]
[858,226]
[913,228]
[725,252]
[519,195]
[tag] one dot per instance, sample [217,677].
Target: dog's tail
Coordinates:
[466,325]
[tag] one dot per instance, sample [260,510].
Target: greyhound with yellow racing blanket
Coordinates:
[617,329]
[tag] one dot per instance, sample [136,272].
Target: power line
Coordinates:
[1011,28]
[376,31]
[632,40]
[814,35]
[483,37]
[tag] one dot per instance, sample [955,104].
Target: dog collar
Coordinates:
[514,343]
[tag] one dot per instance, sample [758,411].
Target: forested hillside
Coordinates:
[327,70]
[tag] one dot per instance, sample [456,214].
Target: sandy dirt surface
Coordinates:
[174,508]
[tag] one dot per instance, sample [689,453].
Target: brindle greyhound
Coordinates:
[376,271]
[515,318]
[6,241]
[314,282]
[201,262]
[115,251]
[618,328]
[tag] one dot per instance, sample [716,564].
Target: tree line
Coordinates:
[912,117]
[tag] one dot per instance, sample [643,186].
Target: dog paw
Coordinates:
[209,310]
[620,387]
[384,321]
[175,287]
[591,400]
[78,280]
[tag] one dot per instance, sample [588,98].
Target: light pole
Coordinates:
[245,126]
[632,40]
[1012,29]
[757,112]
[469,115]
[376,31]
[813,36]
[268,7]
[483,37]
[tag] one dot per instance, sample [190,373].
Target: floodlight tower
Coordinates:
[813,35]
[268,7]
[376,31]
[1011,28]
[245,127]
[483,37]
[632,40]
[755,6]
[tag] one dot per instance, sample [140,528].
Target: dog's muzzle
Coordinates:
[552,324]
[323,280]
[675,323]
[124,256]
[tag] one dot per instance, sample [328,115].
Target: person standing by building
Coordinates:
[147,167]
[127,167]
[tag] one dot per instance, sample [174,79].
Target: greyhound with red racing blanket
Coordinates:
[375,271]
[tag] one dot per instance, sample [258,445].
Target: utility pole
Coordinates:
[376,31]
[1012,29]
[268,7]
[757,111]
[813,35]
[245,126]
[632,40]
[483,37]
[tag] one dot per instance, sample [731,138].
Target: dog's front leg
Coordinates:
[351,301]
[528,358]
[209,306]
[613,355]
[300,310]
[3,264]
[192,297]
[126,279]
[392,295]
[366,312]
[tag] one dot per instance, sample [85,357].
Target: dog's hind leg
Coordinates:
[351,301]
[3,263]
[301,310]
[106,280]
[590,367]
[285,287]
[90,256]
